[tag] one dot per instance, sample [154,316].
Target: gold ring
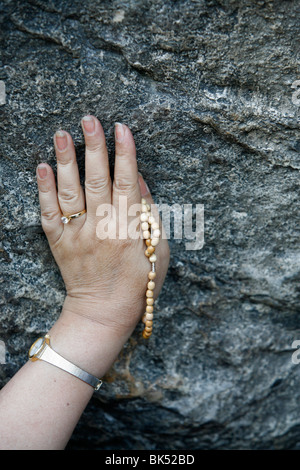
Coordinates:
[66,218]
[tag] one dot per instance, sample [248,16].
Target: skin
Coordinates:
[105,282]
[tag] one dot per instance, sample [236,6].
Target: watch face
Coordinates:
[36,347]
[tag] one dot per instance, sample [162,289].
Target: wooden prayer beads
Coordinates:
[151,234]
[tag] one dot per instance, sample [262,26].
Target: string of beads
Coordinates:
[151,234]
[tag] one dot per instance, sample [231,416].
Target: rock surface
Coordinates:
[206,87]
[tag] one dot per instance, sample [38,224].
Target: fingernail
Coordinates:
[119,132]
[143,186]
[42,171]
[88,124]
[61,140]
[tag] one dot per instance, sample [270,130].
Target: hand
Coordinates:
[105,279]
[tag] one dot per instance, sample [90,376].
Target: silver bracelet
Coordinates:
[41,350]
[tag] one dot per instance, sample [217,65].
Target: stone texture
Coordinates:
[206,87]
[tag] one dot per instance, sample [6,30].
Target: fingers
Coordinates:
[71,198]
[97,174]
[50,210]
[126,171]
[70,193]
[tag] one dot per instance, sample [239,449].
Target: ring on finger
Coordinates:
[66,218]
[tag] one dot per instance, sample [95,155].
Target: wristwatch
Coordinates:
[41,350]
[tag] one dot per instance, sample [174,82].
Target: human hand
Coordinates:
[105,279]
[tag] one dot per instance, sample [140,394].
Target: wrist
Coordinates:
[87,343]
[112,314]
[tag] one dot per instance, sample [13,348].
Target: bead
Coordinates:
[143,201]
[152,258]
[144,217]
[149,323]
[155,241]
[149,316]
[149,309]
[144,208]
[155,225]
[149,293]
[146,234]
[151,275]
[144,226]
[148,328]
[156,233]
[151,219]
[150,301]
[148,242]
[147,253]
[148,207]
[144,318]
[145,335]
[151,285]
[151,248]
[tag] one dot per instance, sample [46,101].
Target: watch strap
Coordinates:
[52,357]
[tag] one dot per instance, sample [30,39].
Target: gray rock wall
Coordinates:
[206,87]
